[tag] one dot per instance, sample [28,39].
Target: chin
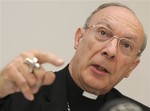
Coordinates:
[97,90]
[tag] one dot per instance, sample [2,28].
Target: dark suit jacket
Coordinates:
[51,98]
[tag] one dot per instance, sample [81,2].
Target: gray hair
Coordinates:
[118,5]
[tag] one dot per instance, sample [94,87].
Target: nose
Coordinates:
[110,50]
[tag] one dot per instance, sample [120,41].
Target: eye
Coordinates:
[103,32]
[127,45]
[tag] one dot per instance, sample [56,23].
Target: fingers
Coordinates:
[46,57]
[23,86]
[13,81]
[43,78]
[17,77]
[48,78]
[39,74]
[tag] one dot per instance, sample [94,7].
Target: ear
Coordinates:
[78,37]
[133,66]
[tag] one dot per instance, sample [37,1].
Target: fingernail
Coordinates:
[30,97]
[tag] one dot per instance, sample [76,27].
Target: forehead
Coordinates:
[118,18]
[117,15]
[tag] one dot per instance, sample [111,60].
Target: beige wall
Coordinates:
[50,25]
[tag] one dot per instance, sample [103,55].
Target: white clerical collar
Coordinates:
[89,95]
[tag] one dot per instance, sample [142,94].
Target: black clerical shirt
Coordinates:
[77,101]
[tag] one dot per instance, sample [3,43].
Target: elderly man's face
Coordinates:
[97,67]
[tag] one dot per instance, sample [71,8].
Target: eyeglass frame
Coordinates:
[114,37]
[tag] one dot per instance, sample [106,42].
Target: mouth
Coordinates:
[100,68]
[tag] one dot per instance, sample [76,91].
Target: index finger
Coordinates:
[47,57]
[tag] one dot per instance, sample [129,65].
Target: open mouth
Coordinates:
[100,68]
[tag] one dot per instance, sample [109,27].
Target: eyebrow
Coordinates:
[132,38]
[106,23]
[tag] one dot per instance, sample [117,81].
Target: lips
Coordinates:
[100,68]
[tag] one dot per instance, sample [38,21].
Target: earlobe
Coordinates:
[133,66]
[78,37]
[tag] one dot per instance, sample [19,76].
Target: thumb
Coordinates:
[48,78]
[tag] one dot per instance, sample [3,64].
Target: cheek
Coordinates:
[123,67]
[86,49]
[89,42]
[123,62]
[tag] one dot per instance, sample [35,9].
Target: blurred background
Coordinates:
[51,24]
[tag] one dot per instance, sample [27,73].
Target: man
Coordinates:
[105,54]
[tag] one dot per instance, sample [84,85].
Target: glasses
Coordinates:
[103,34]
